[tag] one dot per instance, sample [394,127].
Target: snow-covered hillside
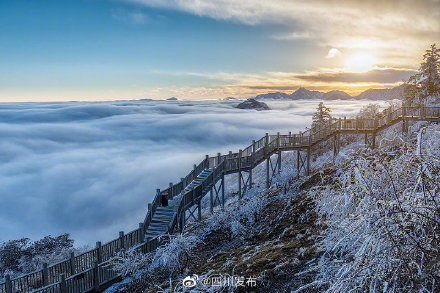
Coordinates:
[366,221]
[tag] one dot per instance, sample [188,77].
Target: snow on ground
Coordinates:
[376,226]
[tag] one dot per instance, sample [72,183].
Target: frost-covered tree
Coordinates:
[23,255]
[382,213]
[11,252]
[426,82]
[369,111]
[321,116]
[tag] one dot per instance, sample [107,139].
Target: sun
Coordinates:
[360,62]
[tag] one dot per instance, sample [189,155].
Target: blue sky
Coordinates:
[92,50]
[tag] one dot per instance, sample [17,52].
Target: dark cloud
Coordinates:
[375,76]
[278,88]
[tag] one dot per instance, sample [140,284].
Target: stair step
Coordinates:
[167,211]
[163,215]
[152,235]
[161,222]
[157,229]
[164,209]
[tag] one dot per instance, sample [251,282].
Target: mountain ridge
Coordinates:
[303,93]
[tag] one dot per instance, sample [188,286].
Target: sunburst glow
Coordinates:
[360,62]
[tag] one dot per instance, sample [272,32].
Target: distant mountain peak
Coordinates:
[273,96]
[302,90]
[253,104]
[382,94]
[303,93]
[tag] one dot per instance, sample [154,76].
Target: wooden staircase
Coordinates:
[163,216]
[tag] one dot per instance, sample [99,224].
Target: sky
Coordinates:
[66,50]
[91,168]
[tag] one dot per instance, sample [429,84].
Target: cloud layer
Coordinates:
[393,33]
[401,25]
[90,169]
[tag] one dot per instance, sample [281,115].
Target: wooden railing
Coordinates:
[91,269]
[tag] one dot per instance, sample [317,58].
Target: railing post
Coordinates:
[121,239]
[199,209]
[266,143]
[267,172]
[240,153]
[99,252]
[183,183]
[96,277]
[182,221]
[45,273]
[72,263]
[404,122]
[218,158]
[230,157]
[223,190]
[8,284]
[279,152]
[170,195]
[141,229]
[309,153]
[206,161]
[159,197]
[63,288]
[141,226]
[250,178]
[211,201]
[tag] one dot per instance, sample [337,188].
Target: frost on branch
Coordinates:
[383,217]
[23,256]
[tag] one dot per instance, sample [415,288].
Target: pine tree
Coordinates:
[425,83]
[321,116]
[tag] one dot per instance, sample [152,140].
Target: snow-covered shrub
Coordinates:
[22,255]
[383,217]
[167,260]
[172,258]
[238,218]
[131,263]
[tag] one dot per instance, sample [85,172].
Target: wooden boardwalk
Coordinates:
[91,271]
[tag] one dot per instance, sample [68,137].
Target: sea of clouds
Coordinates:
[90,168]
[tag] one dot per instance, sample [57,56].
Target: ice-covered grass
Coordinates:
[380,208]
[383,216]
